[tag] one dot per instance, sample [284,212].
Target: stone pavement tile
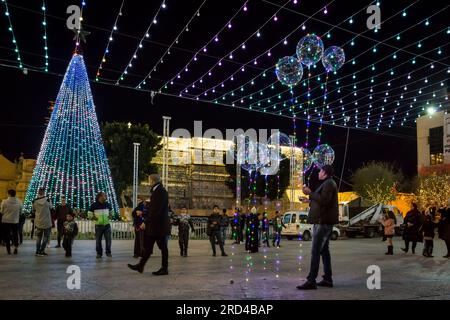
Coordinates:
[201,276]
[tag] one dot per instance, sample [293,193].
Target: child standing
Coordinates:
[427,230]
[70,232]
[389,221]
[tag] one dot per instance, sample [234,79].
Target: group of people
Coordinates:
[419,227]
[253,230]
[44,216]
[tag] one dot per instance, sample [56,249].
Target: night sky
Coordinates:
[25,97]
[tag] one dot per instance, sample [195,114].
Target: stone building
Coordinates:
[15,175]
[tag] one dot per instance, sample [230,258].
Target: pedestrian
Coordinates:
[156,227]
[213,231]
[427,230]
[185,226]
[11,209]
[42,208]
[224,222]
[242,224]
[323,214]
[412,222]
[100,212]
[138,215]
[22,219]
[388,221]
[236,225]
[444,228]
[61,212]
[265,226]
[70,232]
[252,242]
[278,225]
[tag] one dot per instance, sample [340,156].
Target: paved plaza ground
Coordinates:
[201,276]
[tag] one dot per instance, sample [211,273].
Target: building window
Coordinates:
[436,140]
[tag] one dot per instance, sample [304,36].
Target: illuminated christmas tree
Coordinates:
[72,160]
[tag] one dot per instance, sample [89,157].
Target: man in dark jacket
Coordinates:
[61,211]
[323,214]
[156,226]
[412,222]
[224,222]
[213,231]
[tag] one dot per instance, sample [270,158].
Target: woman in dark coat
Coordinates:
[413,222]
[444,228]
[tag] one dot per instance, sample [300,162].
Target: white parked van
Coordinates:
[295,222]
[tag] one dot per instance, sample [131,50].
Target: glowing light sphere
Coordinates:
[304,160]
[323,154]
[333,58]
[275,142]
[289,71]
[310,49]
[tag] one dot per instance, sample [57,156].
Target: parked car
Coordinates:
[296,226]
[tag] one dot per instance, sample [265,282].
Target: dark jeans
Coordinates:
[265,237]
[67,245]
[9,229]
[223,234]
[32,229]
[149,243]
[22,220]
[138,243]
[43,235]
[101,231]
[414,244]
[428,247]
[320,248]
[276,237]
[60,229]
[216,236]
[183,241]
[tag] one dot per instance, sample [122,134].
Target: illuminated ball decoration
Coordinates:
[310,49]
[289,71]
[323,154]
[333,58]
[275,142]
[247,155]
[306,160]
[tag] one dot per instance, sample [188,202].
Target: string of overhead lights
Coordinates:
[13,37]
[44,24]
[215,38]
[241,46]
[140,45]
[167,52]
[110,39]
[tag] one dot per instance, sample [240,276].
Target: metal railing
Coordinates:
[125,231]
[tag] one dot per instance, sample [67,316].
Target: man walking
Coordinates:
[11,209]
[42,208]
[156,226]
[323,214]
[61,211]
[224,222]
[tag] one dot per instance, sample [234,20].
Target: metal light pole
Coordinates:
[135,172]
[165,167]
[292,171]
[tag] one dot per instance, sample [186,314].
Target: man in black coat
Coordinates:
[213,231]
[156,226]
[323,214]
[412,222]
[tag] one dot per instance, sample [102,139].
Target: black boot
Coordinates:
[390,250]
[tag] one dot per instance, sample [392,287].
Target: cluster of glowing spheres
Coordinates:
[289,71]
[310,49]
[333,58]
